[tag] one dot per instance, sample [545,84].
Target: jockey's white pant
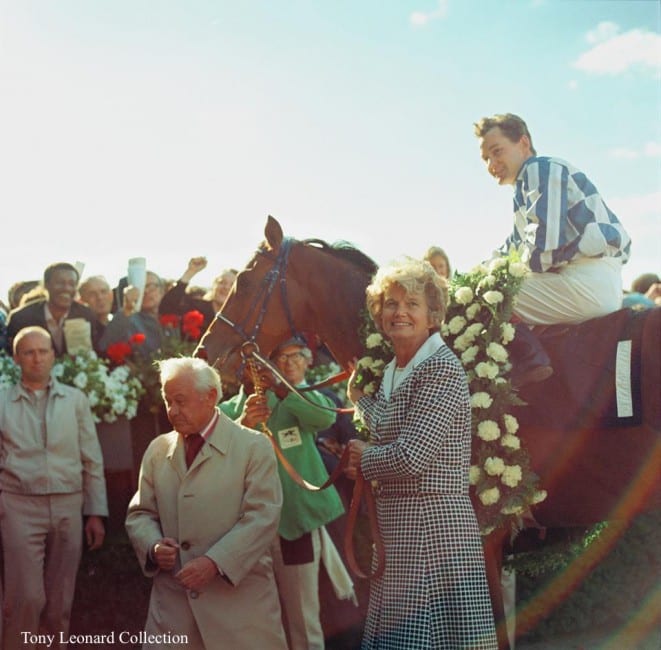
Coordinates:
[583,289]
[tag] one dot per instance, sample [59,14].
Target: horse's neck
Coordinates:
[337,300]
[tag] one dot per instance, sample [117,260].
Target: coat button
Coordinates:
[194,594]
[185,546]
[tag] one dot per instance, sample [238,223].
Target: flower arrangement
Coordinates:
[180,337]
[112,393]
[478,330]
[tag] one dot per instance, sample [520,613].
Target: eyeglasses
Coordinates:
[294,356]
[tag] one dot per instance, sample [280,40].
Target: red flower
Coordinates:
[192,324]
[117,352]
[169,320]
[137,339]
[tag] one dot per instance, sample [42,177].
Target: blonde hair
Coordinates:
[415,277]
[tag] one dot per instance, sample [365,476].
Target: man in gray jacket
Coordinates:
[51,476]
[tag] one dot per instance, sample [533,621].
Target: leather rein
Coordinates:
[251,356]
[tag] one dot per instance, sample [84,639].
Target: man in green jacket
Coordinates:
[294,423]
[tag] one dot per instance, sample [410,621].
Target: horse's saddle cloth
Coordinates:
[600,367]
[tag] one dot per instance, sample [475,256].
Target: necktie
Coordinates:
[192,442]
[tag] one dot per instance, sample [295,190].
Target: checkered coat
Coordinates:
[434,591]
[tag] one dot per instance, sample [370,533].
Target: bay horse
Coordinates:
[591,470]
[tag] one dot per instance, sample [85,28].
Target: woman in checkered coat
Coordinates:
[434,592]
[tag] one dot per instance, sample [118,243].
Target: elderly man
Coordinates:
[51,475]
[202,521]
[294,422]
[95,292]
[59,314]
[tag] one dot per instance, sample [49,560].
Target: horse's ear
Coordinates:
[273,232]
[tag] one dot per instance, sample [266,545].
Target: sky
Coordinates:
[171,129]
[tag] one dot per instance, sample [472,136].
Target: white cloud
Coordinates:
[421,18]
[573,85]
[623,153]
[602,32]
[649,150]
[652,149]
[614,53]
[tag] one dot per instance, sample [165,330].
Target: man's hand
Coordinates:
[353,393]
[255,411]
[196,573]
[195,265]
[95,532]
[164,553]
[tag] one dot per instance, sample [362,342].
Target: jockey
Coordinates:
[573,243]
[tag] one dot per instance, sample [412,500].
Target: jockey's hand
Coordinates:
[356,448]
[255,411]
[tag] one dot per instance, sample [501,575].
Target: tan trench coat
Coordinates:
[226,506]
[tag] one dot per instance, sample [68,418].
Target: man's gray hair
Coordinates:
[205,376]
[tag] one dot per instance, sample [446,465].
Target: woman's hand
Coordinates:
[356,448]
[353,393]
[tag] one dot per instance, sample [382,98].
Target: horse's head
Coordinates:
[290,287]
[253,311]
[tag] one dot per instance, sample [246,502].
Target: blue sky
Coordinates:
[172,129]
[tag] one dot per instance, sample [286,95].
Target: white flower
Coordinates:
[539,496]
[493,297]
[512,475]
[473,330]
[515,509]
[510,441]
[93,398]
[511,423]
[469,355]
[486,282]
[507,332]
[369,389]
[518,269]
[374,340]
[490,496]
[480,400]
[494,466]
[486,370]
[463,295]
[58,370]
[474,474]
[80,380]
[365,362]
[497,263]
[462,342]
[488,430]
[457,324]
[473,310]
[497,352]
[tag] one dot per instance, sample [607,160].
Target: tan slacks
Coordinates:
[298,588]
[42,546]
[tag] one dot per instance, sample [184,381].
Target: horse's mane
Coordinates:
[346,251]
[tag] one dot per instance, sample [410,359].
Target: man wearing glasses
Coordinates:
[294,423]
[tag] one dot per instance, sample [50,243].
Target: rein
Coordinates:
[250,356]
[360,488]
